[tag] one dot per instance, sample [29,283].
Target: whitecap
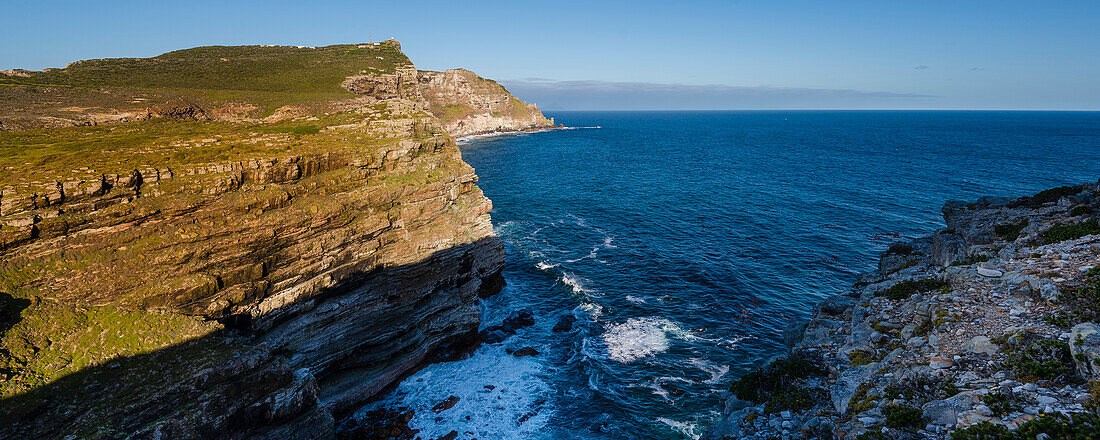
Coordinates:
[635,300]
[638,338]
[688,429]
[715,371]
[576,283]
[545,266]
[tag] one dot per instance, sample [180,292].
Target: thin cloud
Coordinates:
[608,95]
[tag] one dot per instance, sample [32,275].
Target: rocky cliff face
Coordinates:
[469,104]
[248,273]
[985,329]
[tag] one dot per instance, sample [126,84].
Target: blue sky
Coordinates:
[640,54]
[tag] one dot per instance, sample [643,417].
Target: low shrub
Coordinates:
[1010,231]
[902,416]
[1030,359]
[781,385]
[900,249]
[1080,210]
[1062,233]
[1084,426]
[907,288]
[998,403]
[1047,196]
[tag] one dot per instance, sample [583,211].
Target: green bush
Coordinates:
[1010,231]
[1080,210]
[907,288]
[1047,196]
[1085,426]
[902,416]
[861,357]
[1069,232]
[1078,304]
[900,249]
[781,385]
[983,431]
[1031,359]
[998,403]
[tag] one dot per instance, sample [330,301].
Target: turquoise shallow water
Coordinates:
[685,241]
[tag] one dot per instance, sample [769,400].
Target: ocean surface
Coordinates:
[684,242]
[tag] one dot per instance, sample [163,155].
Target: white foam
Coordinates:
[638,338]
[635,300]
[716,371]
[519,395]
[688,429]
[545,266]
[607,242]
[576,283]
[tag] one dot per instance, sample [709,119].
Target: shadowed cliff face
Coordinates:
[232,275]
[236,383]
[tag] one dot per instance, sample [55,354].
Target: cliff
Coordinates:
[229,242]
[468,104]
[986,329]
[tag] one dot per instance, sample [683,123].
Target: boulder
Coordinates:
[794,333]
[946,412]
[848,384]
[948,247]
[836,304]
[565,324]
[1084,345]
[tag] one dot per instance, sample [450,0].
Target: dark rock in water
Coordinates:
[836,305]
[491,285]
[446,404]
[450,436]
[525,351]
[793,334]
[494,336]
[517,320]
[565,323]
[379,424]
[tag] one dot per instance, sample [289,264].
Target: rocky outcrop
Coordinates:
[986,326]
[238,280]
[469,104]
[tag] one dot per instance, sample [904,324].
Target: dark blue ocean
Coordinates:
[684,242]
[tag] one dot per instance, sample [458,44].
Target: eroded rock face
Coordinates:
[258,296]
[468,104]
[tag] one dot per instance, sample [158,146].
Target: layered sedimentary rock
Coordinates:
[988,326]
[252,273]
[469,104]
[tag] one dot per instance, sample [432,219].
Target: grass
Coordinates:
[271,76]
[53,340]
[1062,233]
[87,152]
[907,288]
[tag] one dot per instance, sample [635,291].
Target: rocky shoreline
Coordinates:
[985,329]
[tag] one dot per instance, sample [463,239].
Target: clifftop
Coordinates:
[246,241]
[988,326]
